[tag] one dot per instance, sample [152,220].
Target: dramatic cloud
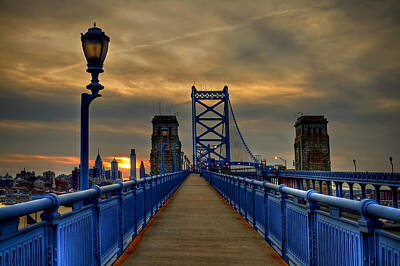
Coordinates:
[339,59]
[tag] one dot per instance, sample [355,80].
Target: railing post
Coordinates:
[312,207]
[367,227]
[50,215]
[378,193]
[301,184]
[253,203]
[363,192]
[394,197]
[134,208]
[266,213]
[245,199]
[283,197]
[351,196]
[118,195]
[96,224]
[329,187]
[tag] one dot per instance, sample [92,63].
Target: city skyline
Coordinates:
[336,59]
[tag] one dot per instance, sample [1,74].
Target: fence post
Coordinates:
[253,204]
[118,195]
[367,227]
[133,187]
[49,216]
[266,229]
[312,207]
[96,224]
[284,198]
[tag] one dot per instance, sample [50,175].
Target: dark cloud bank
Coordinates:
[338,59]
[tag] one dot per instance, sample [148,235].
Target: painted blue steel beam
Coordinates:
[291,222]
[102,223]
[201,147]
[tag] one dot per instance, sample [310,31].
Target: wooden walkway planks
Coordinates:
[199,228]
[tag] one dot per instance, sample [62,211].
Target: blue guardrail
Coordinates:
[102,223]
[308,228]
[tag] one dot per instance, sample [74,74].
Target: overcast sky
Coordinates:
[340,59]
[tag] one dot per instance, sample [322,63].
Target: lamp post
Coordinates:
[391,162]
[355,165]
[278,157]
[177,149]
[164,134]
[95,47]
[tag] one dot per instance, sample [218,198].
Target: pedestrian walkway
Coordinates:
[199,228]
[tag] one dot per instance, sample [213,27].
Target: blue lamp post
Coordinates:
[95,47]
[164,144]
[177,156]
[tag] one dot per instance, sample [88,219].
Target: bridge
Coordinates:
[231,209]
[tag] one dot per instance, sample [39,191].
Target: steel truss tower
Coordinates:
[210,127]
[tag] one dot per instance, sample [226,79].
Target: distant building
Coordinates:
[94,173]
[107,174]
[25,174]
[49,175]
[142,170]
[6,181]
[311,145]
[75,179]
[133,165]
[99,165]
[170,153]
[119,174]
[114,169]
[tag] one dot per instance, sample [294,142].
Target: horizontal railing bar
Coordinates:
[76,196]
[24,208]
[294,192]
[336,201]
[385,212]
[110,188]
[372,209]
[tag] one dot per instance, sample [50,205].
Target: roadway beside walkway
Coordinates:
[198,228]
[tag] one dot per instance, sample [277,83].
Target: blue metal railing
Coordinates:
[386,179]
[291,221]
[102,223]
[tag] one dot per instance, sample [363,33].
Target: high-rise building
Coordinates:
[133,165]
[75,178]
[99,165]
[142,170]
[171,154]
[114,169]
[311,145]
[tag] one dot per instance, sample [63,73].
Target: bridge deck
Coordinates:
[197,228]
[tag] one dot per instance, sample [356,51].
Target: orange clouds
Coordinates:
[19,158]
[27,158]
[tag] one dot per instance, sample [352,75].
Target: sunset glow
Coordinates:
[322,58]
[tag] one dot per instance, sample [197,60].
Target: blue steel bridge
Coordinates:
[230,209]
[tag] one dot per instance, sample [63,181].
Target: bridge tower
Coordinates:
[312,144]
[210,122]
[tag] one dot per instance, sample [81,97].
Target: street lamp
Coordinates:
[355,165]
[177,149]
[164,134]
[278,157]
[391,162]
[95,47]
